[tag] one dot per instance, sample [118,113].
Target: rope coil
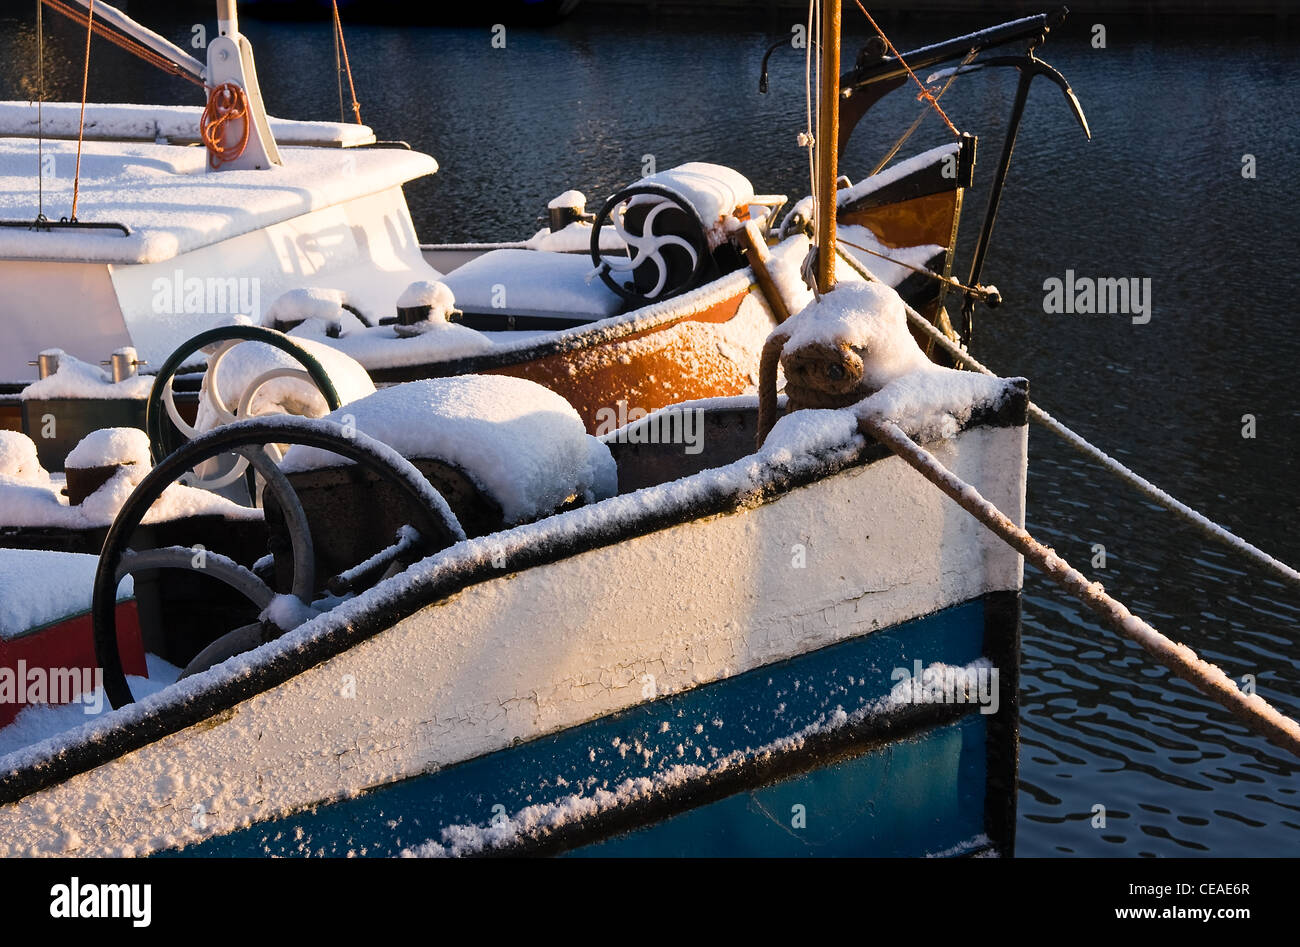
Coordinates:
[226,103]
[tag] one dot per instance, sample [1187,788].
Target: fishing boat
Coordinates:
[450,606]
[162,241]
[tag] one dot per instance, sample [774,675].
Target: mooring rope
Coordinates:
[1251,709]
[1203,523]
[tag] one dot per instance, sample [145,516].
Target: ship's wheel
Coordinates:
[161,406]
[668,250]
[433,526]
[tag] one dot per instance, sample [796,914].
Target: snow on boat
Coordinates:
[486,559]
[547,675]
[651,301]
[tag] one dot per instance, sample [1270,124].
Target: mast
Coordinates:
[828,134]
[230,60]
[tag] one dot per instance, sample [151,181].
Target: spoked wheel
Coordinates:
[162,439]
[434,527]
[668,251]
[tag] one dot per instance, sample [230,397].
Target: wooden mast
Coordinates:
[828,135]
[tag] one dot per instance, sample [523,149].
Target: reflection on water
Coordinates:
[1157,194]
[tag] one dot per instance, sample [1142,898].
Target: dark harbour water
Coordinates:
[1157,194]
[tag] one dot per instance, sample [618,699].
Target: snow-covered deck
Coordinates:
[170,202]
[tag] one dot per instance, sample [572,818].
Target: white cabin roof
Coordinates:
[172,124]
[168,199]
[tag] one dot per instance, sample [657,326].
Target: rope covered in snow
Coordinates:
[1251,709]
[1201,522]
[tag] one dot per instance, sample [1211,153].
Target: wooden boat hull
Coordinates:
[748,766]
[535,633]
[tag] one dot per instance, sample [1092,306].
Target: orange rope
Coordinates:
[338,27]
[81,123]
[926,94]
[123,42]
[227,103]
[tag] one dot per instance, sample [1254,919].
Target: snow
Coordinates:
[108,446]
[888,272]
[39,587]
[433,293]
[41,722]
[313,302]
[18,460]
[785,264]
[521,443]
[570,198]
[895,172]
[540,819]
[37,504]
[246,362]
[529,282]
[934,402]
[714,190]
[868,318]
[287,612]
[164,194]
[152,122]
[384,347]
[78,379]
[574,238]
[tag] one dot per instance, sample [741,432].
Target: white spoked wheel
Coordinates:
[668,251]
[213,473]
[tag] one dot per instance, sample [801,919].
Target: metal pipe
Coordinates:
[227,18]
[995,198]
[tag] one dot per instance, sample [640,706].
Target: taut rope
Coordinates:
[1251,709]
[342,45]
[1203,523]
[81,122]
[925,94]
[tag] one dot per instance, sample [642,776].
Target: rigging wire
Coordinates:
[926,94]
[902,140]
[343,46]
[40,117]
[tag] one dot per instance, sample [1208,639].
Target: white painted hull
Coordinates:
[552,646]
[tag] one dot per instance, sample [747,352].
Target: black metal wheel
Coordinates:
[434,527]
[668,249]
